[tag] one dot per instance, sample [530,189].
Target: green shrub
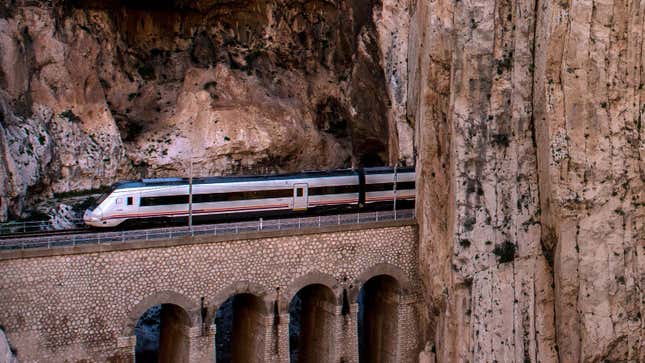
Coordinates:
[505,251]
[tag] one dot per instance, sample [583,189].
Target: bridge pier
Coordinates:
[408,345]
[201,343]
[269,344]
[243,322]
[338,334]
[175,335]
[350,335]
[124,352]
[316,310]
[282,337]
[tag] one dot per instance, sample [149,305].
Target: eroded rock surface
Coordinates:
[530,178]
[96,91]
[528,137]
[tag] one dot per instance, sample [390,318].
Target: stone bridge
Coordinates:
[335,294]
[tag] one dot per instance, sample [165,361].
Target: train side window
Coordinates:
[130,201]
[119,201]
[299,192]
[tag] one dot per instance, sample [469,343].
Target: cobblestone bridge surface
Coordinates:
[82,303]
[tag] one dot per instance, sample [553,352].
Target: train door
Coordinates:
[126,203]
[300,196]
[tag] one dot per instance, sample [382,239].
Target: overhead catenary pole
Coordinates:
[190,196]
[190,182]
[394,190]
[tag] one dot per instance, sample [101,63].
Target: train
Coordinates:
[168,200]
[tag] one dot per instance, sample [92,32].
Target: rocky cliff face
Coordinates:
[528,137]
[530,174]
[96,91]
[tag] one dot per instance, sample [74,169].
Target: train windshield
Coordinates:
[100,200]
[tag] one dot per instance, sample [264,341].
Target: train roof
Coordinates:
[232,179]
[229,179]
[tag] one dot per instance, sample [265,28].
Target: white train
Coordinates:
[167,199]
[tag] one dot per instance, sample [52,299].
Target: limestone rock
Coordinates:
[530,178]
[523,119]
[117,90]
[63,217]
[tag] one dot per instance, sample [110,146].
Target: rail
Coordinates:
[211,229]
[8,228]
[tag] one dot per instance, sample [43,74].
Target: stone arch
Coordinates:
[379,306]
[241,287]
[160,298]
[238,312]
[311,278]
[376,270]
[314,302]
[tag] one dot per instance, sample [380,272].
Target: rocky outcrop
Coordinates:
[528,137]
[530,176]
[92,92]
[589,104]
[62,217]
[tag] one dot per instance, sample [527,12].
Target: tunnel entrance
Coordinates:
[378,305]
[311,318]
[240,329]
[162,335]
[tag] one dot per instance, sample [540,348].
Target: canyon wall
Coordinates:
[96,91]
[524,119]
[530,178]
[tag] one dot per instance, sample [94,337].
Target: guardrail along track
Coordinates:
[44,233]
[75,238]
[12,229]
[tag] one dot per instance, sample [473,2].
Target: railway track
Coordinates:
[48,233]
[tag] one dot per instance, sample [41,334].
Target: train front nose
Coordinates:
[92,217]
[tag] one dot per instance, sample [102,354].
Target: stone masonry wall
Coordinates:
[71,307]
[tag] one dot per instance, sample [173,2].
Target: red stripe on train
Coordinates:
[198,211]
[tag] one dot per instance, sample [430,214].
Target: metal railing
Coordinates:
[211,229]
[33,226]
